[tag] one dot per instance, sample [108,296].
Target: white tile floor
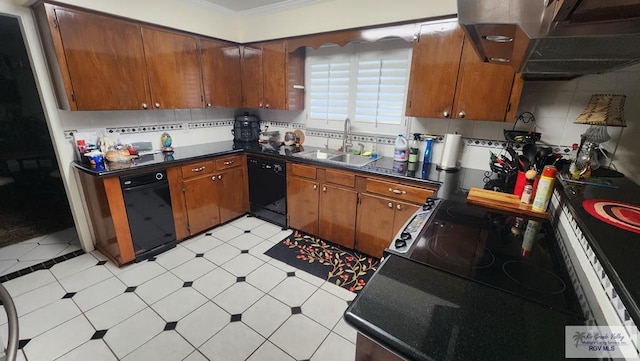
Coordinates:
[213,297]
[37,250]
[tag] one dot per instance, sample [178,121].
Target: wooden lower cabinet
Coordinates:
[379,219]
[216,196]
[337,215]
[201,199]
[231,194]
[302,204]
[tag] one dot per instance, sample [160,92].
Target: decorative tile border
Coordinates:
[210,124]
[603,278]
[501,144]
[145,128]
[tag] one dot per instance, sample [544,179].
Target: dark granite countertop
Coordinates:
[423,313]
[455,182]
[617,250]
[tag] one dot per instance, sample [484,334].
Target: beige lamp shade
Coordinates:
[604,109]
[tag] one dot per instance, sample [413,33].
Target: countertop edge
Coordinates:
[621,289]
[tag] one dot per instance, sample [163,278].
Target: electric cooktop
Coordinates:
[486,247]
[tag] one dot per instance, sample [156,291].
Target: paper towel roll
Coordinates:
[452,145]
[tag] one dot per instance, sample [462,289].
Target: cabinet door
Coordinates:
[483,89]
[274,73]
[105,59]
[402,213]
[252,81]
[200,195]
[221,74]
[231,192]
[375,227]
[338,215]
[302,204]
[173,67]
[434,70]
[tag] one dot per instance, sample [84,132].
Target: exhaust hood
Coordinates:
[554,39]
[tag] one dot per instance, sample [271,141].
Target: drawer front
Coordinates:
[340,178]
[228,162]
[196,169]
[398,191]
[304,171]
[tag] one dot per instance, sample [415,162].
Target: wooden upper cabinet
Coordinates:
[103,58]
[484,89]
[252,80]
[449,80]
[273,68]
[173,67]
[221,74]
[434,70]
[272,78]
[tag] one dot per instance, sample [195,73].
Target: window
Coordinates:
[366,82]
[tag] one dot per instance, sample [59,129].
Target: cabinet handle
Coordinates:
[199,169]
[260,105]
[145,106]
[324,189]
[229,162]
[267,106]
[157,105]
[208,105]
[399,207]
[397,191]
[445,114]
[390,205]
[213,178]
[315,186]
[461,115]
[220,176]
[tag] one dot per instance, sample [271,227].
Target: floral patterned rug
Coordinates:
[344,267]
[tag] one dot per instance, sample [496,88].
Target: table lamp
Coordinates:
[602,111]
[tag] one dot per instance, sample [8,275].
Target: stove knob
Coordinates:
[277,168]
[400,243]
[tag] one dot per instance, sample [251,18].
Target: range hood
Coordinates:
[554,39]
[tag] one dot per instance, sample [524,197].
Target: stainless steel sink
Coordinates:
[336,157]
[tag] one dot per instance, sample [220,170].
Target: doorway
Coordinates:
[35,218]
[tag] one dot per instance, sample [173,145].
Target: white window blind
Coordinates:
[329,84]
[381,83]
[366,82]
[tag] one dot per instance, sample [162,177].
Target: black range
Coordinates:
[455,286]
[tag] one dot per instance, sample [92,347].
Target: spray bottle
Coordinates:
[414,148]
[427,153]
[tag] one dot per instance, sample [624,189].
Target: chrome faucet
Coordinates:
[346,137]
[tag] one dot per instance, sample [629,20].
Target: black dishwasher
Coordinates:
[148,205]
[268,189]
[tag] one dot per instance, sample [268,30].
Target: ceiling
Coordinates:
[257,6]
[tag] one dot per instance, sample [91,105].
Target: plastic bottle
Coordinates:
[545,189]
[427,153]
[401,153]
[414,148]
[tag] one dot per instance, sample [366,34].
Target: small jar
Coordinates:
[526,194]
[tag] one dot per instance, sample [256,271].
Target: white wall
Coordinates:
[198,17]
[340,14]
[178,14]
